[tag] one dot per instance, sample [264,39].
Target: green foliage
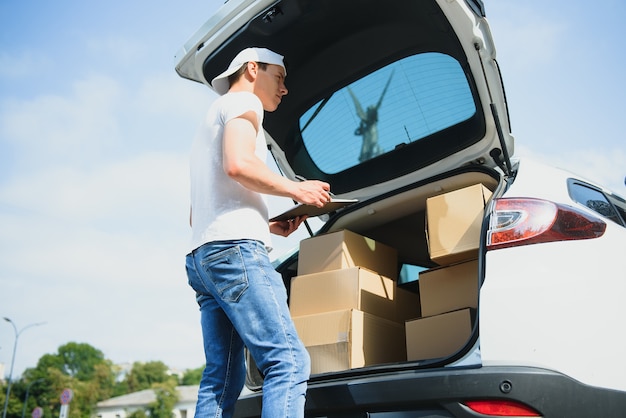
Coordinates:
[14,406]
[79,360]
[22,391]
[76,366]
[146,375]
[192,376]
[138,413]
[47,361]
[166,398]
[92,378]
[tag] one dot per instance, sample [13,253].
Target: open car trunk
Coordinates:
[370,292]
[393,104]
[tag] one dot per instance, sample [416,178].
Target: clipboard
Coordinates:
[310,210]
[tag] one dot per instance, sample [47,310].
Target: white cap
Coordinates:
[264,55]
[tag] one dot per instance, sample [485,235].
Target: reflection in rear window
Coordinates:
[398,104]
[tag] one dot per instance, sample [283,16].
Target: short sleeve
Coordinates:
[236,104]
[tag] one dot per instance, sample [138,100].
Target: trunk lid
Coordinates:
[381,94]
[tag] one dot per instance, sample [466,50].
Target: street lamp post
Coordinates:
[17,335]
[27,391]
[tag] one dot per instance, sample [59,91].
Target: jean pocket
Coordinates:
[227,272]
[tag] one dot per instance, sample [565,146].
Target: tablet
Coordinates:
[311,211]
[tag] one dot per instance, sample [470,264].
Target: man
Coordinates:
[242,299]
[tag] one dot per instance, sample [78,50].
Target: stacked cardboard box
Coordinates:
[344,249]
[345,303]
[445,289]
[438,336]
[447,297]
[453,222]
[352,288]
[449,294]
[347,339]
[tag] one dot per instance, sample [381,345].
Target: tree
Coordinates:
[14,405]
[92,378]
[79,360]
[145,375]
[24,390]
[138,413]
[192,376]
[166,398]
[76,366]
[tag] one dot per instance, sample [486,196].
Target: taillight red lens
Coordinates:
[498,408]
[530,221]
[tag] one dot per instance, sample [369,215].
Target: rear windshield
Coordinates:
[394,106]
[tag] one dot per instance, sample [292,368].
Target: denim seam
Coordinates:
[287,406]
[229,364]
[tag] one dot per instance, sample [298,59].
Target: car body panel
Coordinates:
[441,393]
[557,307]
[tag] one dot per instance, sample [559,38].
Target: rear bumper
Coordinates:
[440,393]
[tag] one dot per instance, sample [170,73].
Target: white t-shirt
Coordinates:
[223,209]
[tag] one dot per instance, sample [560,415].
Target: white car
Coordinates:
[397,102]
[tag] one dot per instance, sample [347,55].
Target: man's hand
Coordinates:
[285,228]
[312,192]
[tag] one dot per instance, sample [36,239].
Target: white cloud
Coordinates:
[101,117]
[532,40]
[100,258]
[123,206]
[561,92]
[173,97]
[96,212]
[52,129]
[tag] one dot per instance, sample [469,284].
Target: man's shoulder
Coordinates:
[234,104]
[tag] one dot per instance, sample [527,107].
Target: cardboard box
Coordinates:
[407,305]
[345,249]
[439,335]
[352,288]
[453,222]
[446,289]
[347,339]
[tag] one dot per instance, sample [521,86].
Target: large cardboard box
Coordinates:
[439,335]
[344,249]
[446,289]
[347,339]
[352,288]
[453,222]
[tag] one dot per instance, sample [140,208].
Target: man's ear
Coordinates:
[253,69]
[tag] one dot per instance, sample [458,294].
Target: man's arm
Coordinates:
[242,165]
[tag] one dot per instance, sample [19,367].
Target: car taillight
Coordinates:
[523,221]
[499,408]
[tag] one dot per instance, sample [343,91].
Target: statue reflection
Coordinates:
[368,127]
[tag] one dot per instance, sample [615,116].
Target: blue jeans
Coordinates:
[243,302]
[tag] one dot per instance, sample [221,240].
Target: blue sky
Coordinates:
[95,130]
